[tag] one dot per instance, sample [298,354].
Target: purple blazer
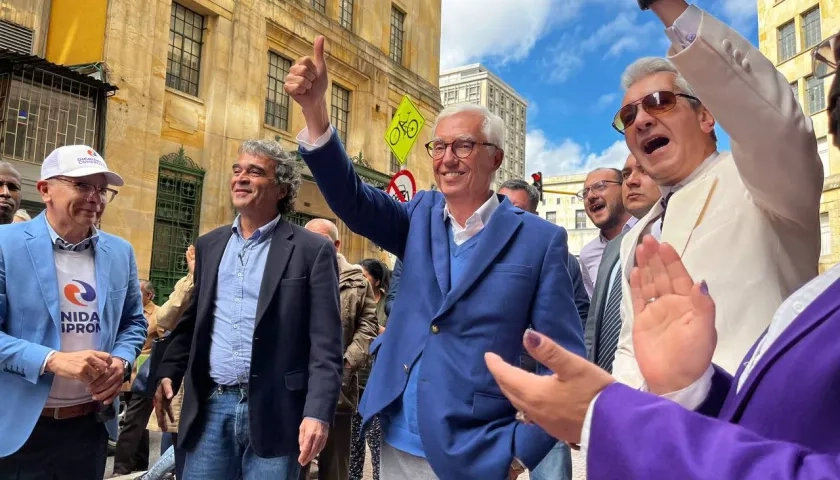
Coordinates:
[783,424]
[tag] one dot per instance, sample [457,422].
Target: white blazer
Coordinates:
[749,223]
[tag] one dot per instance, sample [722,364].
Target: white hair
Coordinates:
[493,127]
[647,66]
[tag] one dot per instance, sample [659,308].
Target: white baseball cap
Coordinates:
[77,161]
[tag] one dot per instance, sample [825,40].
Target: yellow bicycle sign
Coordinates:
[401,134]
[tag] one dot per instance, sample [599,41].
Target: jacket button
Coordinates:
[727,45]
[405,367]
[435,329]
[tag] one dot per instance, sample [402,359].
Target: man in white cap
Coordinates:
[71,323]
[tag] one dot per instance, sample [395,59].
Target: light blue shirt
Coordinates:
[235,310]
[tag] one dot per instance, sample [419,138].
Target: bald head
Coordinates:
[148,291]
[326,229]
[10,192]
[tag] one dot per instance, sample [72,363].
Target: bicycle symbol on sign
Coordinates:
[405,126]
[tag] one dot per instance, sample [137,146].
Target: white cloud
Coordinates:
[605,101]
[625,33]
[740,13]
[472,30]
[568,157]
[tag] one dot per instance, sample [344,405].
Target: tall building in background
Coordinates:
[167,90]
[567,210]
[476,84]
[788,30]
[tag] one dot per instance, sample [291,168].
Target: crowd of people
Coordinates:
[678,348]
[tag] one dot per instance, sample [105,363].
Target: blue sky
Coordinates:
[566,57]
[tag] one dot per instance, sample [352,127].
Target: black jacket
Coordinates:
[296,358]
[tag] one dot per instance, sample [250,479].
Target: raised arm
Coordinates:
[773,142]
[367,211]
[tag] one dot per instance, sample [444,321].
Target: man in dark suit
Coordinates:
[480,272]
[639,193]
[260,346]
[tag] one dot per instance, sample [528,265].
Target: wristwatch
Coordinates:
[645,4]
[126,370]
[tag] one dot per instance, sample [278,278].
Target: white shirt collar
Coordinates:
[626,228]
[696,173]
[476,222]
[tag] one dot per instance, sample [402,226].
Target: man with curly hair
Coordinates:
[259,349]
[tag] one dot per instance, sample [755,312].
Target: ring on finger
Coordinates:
[650,300]
[522,417]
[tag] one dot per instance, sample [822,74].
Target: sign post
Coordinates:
[402,133]
[402,186]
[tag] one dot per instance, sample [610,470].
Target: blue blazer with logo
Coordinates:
[30,320]
[518,278]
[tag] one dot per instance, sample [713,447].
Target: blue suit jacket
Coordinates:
[30,320]
[518,278]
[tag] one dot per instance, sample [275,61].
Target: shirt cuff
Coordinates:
[303,139]
[684,30]
[693,395]
[46,359]
[318,420]
[587,427]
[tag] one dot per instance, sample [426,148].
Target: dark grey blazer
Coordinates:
[592,329]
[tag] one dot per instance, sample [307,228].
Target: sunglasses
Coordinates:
[823,58]
[655,103]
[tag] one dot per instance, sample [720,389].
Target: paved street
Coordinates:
[578,471]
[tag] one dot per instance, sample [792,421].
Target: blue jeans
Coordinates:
[556,465]
[223,451]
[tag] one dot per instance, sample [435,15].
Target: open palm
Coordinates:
[674,333]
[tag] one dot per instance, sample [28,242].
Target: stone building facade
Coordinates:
[788,31]
[195,78]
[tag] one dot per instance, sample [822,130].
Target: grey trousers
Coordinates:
[399,465]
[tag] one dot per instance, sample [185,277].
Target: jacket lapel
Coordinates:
[211,259]
[102,264]
[38,243]
[279,253]
[633,237]
[495,237]
[818,311]
[686,207]
[440,247]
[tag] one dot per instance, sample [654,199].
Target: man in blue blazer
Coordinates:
[476,272]
[71,323]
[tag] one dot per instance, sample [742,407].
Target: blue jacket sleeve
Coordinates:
[395,285]
[581,297]
[368,211]
[133,326]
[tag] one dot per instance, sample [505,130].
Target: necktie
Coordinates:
[664,201]
[610,323]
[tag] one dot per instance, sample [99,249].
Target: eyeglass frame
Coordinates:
[90,189]
[451,146]
[817,58]
[639,102]
[603,186]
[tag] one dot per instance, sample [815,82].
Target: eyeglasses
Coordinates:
[655,103]
[596,188]
[461,148]
[87,190]
[823,57]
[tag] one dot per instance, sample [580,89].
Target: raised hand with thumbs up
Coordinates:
[307,84]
